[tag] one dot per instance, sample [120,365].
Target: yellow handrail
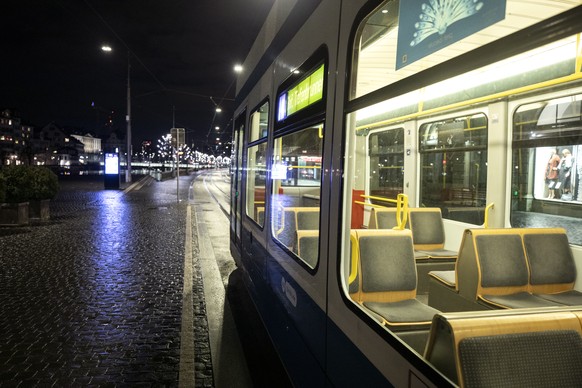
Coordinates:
[368,204]
[401,202]
[401,211]
[378,198]
[487,209]
[355,258]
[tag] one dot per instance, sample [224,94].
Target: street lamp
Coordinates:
[108,49]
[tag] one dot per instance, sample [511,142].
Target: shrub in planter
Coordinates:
[33,184]
[17,184]
[25,183]
[44,183]
[44,187]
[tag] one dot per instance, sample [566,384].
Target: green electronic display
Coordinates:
[308,91]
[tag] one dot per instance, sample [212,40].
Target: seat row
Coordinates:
[508,268]
[426,224]
[428,236]
[509,348]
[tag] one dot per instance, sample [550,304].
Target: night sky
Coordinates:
[182,53]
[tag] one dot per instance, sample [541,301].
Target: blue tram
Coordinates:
[406,190]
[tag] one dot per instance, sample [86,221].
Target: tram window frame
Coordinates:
[257,144]
[301,196]
[449,136]
[547,126]
[309,116]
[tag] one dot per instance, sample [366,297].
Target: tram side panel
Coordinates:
[289,291]
[298,283]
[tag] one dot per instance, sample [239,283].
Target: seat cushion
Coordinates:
[405,312]
[445,277]
[515,301]
[569,298]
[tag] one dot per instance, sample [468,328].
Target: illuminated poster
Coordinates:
[426,26]
[111,164]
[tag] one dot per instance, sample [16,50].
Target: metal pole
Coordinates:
[128,119]
[177,175]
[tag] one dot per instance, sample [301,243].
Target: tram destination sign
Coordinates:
[304,93]
[427,26]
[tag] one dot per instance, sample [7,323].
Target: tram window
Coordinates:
[453,167]
[257,164]
[386,164]
[259,124]
[296,176]
[256,179]
[547,146]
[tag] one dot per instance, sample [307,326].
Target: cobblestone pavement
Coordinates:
[93,297]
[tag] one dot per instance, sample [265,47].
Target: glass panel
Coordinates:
[547,146]
[453,167]
[386,155]
[260,123]
[256,178]
[296,175]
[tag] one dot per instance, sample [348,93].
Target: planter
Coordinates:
[39,209]
[13,214]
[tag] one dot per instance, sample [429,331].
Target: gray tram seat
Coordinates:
[444,287]
[294,219]
[508,348]
[383,218]
[287,231]
[388,279]
[260,217]
[308,246]
[307,218]
[502,273]
[551,264]
[428,234]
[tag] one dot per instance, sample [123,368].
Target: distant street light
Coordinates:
[108,49]
[238,68]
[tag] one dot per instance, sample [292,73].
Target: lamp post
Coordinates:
[128,119]
[108,49]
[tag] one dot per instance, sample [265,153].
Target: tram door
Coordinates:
[236,178]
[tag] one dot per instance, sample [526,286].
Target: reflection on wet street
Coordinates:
[94,296]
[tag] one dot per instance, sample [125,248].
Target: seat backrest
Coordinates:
[260,217]
[307,218]
[491,261]
[501,261]
[383,218]
[308,246]
[287,232]
[551,264]
[386,264]
[427,228]
[508,348]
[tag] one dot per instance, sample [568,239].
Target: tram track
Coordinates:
[216,192]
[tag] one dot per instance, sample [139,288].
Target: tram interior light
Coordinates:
[543,57]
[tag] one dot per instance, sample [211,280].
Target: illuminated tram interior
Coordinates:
[447,134]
